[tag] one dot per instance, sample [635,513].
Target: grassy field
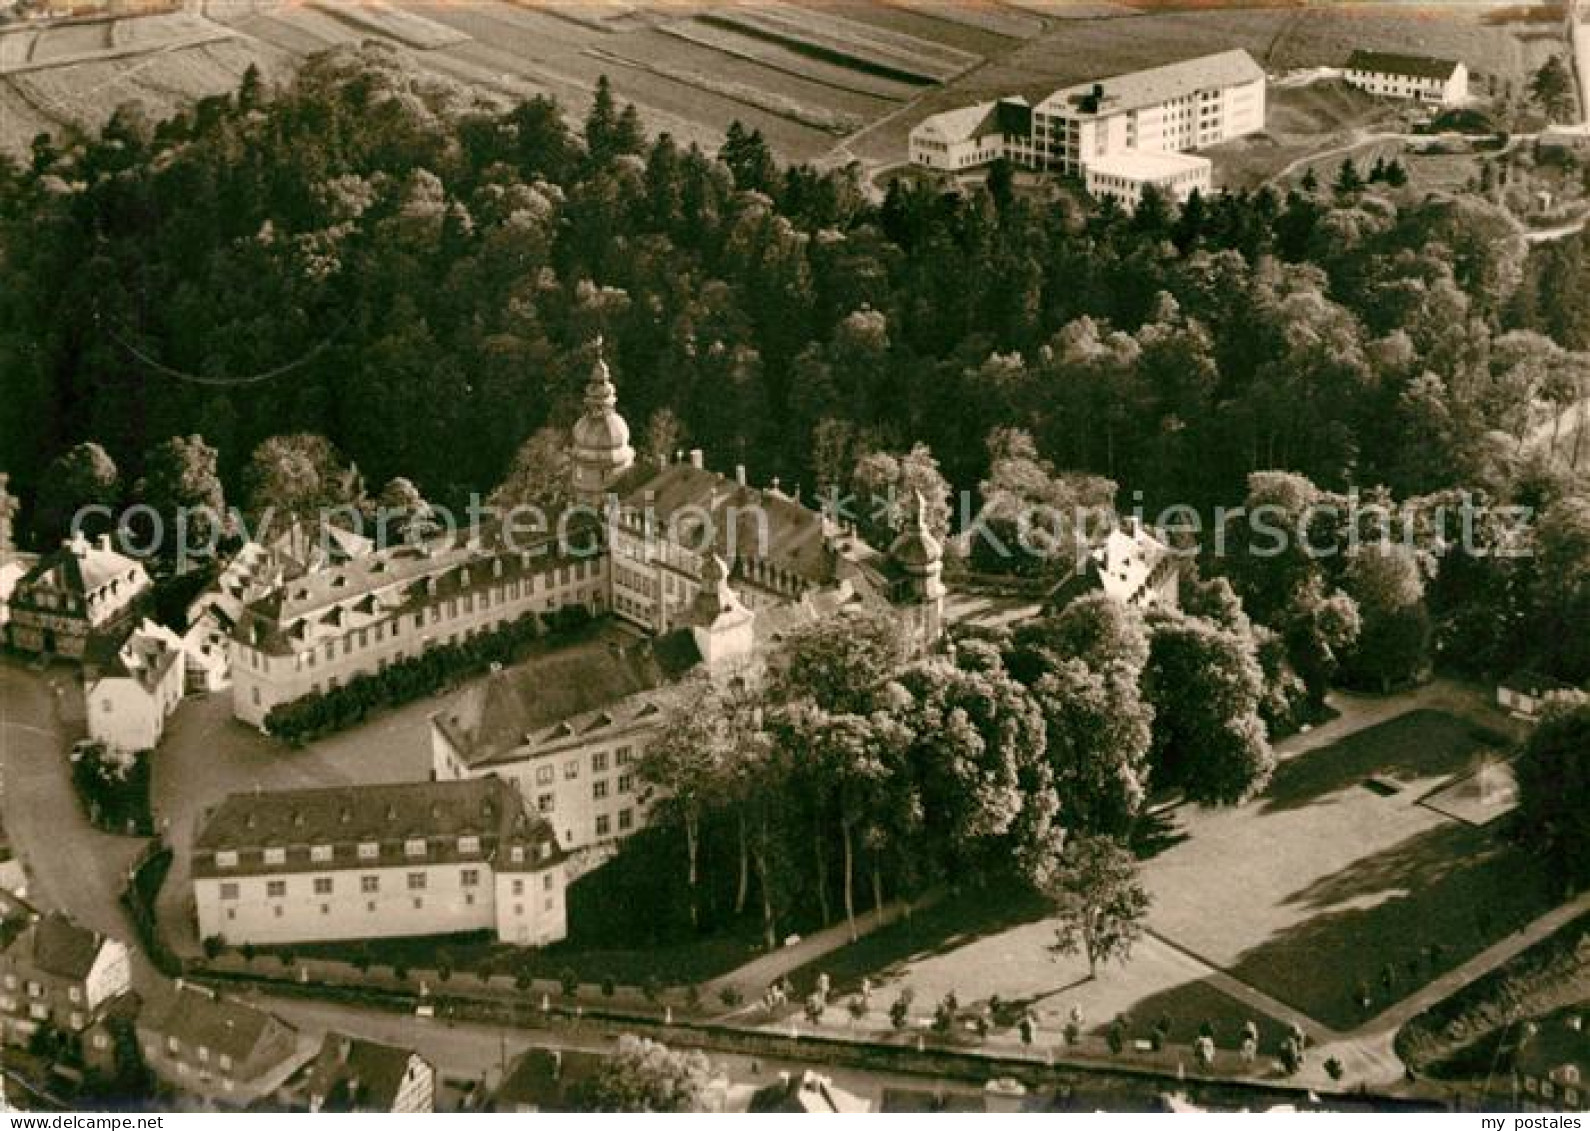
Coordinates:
[1318,890]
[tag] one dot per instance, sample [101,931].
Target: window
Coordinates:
[599,789]
[416,881]
[518,887]
[322,885]
[469,844]
[74,994]
[546,882]
[626,819]
[229,892]
[226,859]
[599,762]
[320,853]
[414,846]
[603,825]
[626,782]
[469,878]
[571,769]
[369,850]
[545,774]
[544,803]
[516,854]
[369,884]
[275,856]
[622,756]
[275,889]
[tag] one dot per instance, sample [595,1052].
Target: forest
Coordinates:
[412,278]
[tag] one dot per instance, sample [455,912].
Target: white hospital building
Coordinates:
[1117,128]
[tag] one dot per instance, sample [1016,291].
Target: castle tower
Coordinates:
[919,558]
[719,621]
[601,437]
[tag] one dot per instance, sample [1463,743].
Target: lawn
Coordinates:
[1317,886]
[1324,882]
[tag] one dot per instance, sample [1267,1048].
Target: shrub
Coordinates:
[652,987]
[570,981]
[248,952]
[858,1008]
[1117,1036]
[1333,1068]
[609,987]
[286,958]
[213,946]
[524,981]
[400,972]
[692,996]
[731,996]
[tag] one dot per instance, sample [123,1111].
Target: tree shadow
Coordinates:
[1419,746]
[1391,923]
[1156,832]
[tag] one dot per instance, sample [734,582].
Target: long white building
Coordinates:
[384,861]
[1165,110]
[1419,78]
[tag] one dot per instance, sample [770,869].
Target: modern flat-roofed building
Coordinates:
[1124,176]
[1439,82]
[422,858]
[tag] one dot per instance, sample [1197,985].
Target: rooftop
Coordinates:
[565,696]
[199,1018]
[1392,63]
[1136,165]
[542,1079]
[1138,89]
[81,567]
[145,655]
[353,1074]
[1006,115]
[55,945]
[343,817]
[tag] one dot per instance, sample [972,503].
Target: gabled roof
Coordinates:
[543,1078]
[1123,562]
[1006,116]
[81,567]
[353,1074]
[1138,89]
[807,1094]
[55,945]
[198,1018]
[1392,63]
[572,692]
[145,655]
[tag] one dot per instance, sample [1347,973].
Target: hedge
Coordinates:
[326,712]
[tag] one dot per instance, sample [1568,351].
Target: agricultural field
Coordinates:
[845,80]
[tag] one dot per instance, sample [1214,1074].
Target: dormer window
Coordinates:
[414,846]
[320,853]
[227,858]
[369,850]
[468,845]
[516,854]
[275,856]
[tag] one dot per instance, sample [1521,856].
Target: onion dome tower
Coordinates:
[601,437]
[919,558]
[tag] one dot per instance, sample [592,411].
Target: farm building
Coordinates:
[1440,82]
[1124,176]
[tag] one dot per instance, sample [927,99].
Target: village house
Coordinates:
[216,1049]
[1439,82]
[131,689]
[63,978]
[1129,565]
[351,1074]
[544,1080]
[1118,134]
[379,861]
[81,592]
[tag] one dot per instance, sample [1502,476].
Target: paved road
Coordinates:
[71,866]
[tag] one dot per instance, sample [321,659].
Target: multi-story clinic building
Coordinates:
[425,858]
[1108,123]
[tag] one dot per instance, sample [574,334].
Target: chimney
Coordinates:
[739,474]
[697,460]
